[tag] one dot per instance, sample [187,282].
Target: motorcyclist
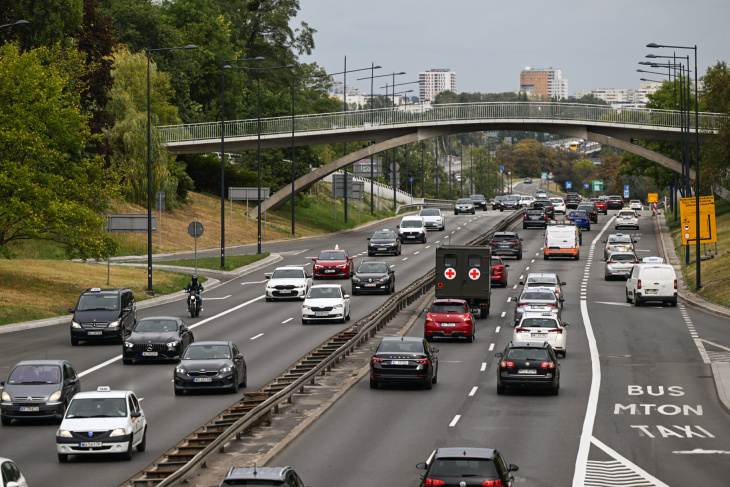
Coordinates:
[197,288]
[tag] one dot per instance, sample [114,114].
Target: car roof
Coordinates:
[290,268]
[504,233]
[449,300]
[148,318]
[411,217]
[100,394]
[464,452]
[539,314]
[528,345]
[542,274]
[621,252]
[210,342]
[324,285]
[332,250]
[402,339]
[265,473]
[41,362]
[96,290]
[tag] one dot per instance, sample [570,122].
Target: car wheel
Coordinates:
[483,312]
[127,361]
[373,384]
[355,293]
[268,299]
[564,353]
[524,227]
[348,315]
[577,256]
[637,303]
[305,321]
[500,389]
[63,458]
[555,390]
[245,378]
[470,338]
[370,254]
[435,379]
[673,303]
[425,335]
[455,213]
[5,421]
[519,256]
[605,276]
[143,444]
[588,228]
[545,257]
[234,389]
[428,385]
[127,455]
[178,392]
[74,342]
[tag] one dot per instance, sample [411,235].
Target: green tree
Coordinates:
[50,21]
[716,152]
[49,188]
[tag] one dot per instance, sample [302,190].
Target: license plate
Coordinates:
[527,371]
[90,444]
[537,307]
[448,324]
[203,379]
[149,354]
[286,291]
[652,291]
[29,409]
[399,362]
[369,285]
[329,271]
[93,333]
[382,249]
[539,335]
[504,246]
[411,236]
[321,313]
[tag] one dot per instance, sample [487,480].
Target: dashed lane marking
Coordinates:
[503,313]
[484,367]
[455,420]
[497,329]
[287,320]
[473,390]
[491,347]
[257,336]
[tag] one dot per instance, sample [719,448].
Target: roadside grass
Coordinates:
[214,263]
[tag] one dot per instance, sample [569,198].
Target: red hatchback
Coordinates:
[600,205]
[499,271]
[333,263]
[449,318]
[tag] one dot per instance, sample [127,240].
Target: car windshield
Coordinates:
[511,198]
[581,213]
[97,407]
[496,261]
[288,274]
[332,255]
[324,293]
[430,212]
[207,352]
[626,213]
[534,211]
[411,224]
[155,326]
[463,201]
[372,268]
[448,308]
[504,236]
[384,236]
[635,201]
[622,257]
[540,281]
[253,482]
[537,295]
[477,197]
[619,240]
[401,346]
[556,200]
[498,198]
[527,354]
[482,468]
[88,302]
[538,323]
[35,374]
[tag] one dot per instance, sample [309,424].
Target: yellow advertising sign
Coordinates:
[688,215]
[652,198]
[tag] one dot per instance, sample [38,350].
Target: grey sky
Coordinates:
[597,43]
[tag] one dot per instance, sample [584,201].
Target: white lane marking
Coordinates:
[259,335]
[473,390]
[224,297]
[447,235]
[497,329]
[503,313]
[417,252]
[484,366]
[428,246]
[699,451]
[527,268]
[491,347]
[453,232]
[537,255]
[405,258]
[514,287]
[287,320]
[455,420]
[615,304]
[509,299]
[522,277]
[532,261]
[252,282]
[646,478]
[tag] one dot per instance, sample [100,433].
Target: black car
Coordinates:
[591,209]
[506,243]
[373,276]
[535,217]
[528,364]
[209,366]
[461,467]
[252,476]
[157,338]
[38,389]
[497,203]
[572,200]
[479,201]
[547,204]
[511,202]
[385,242]
[614,203]
[402,360]
[103,315]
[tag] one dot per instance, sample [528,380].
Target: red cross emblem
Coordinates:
[474,274]
[450,273]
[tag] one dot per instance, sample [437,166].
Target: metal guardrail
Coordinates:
[257,407]
[388,117]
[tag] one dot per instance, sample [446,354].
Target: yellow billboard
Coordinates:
[688,216]
[652,198]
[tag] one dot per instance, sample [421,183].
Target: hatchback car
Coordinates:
[526,200]
[103,315]
[548,280]
[619,265]
[287,282]
[479,201]
[580,218]
[404,360]
[558,205]
[157,338]
[326,302]
[528,180]
[534,217]
[627,218]
[506,243]
[464,205]
[541,193]
[263,476]
[636,205]
[332,263]
[412,229]
[528,364]
[600,205]
[210,365]
[10,475]
[614,203]
[462,467]
[591,210]
[542,326]
[499,271]
[433,218]
[102,422]
[373,276]
[38,389]
[449,318]
[385,242]
[536,299]
[618,242]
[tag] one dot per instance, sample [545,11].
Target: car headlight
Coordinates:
[384,279]
[6,397]
[172,344]
[118,432]
[114,324]
[306,306]
[75,325]
[181,370]
[55,396]
[128,345]
[64,433]
[337,306]
[226,369]
[300,286]
[355,279]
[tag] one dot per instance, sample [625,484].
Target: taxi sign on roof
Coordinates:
[95,289]
[103,389]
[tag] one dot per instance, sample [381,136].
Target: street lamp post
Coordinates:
[149,163]
[395,172]
[15,24]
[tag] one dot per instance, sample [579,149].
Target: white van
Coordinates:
[652,282]
[561,241]
[412,229]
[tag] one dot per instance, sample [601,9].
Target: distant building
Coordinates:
[546,83]
[621,97]
[433,82]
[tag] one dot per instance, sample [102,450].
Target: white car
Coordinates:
[102,422]
[636,205]
[411,229]
[542,327]
[287,282]
[10,475]
[525,200]
[433,218]
[558,205]
[326,302]
[627,218]
[541,193]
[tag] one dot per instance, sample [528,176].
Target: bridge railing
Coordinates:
[365,119]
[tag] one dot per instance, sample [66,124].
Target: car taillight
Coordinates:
[492,483]
[514,241]
[521,330]
[524,217]
[634,262]
[505,365]
[638,284]
[521,304]
[377,360]
[554,305]
[429,317]
[547,365]
[559,331]
[675,284]
[421,360]
[610,262]
[544,217]
[434,482]
[557,291]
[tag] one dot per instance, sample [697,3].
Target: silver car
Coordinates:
[627,218]
[558,205]
[433,218]
[464,205]
[618,242]
[549,280]
[619,265]
[536,300]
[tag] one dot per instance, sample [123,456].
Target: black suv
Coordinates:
[479,201]
[535,216]
[506,243]
[103,315]
[614,203]
[372,276]
[547,204]
[572,200]
[283,476]
[528,364]
[466,466]
[497,203]
[591,209]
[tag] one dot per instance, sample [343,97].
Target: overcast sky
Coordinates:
[596,43]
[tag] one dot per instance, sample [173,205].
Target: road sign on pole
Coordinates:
[688,216]
[568,185]
[586,186]
[597,184]
[654,198]
[195,229]
[626,190]
[543,175]
[501,168]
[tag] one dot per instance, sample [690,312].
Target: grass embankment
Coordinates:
[214,263]
[715,272]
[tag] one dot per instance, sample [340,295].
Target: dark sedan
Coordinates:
[497,203]
[467,466]
[614,203]
[38,389]
[591,209]
[404,360]
[547,204]
[157,338]
[580,218]
[373,276]
[213,365]
[385,242]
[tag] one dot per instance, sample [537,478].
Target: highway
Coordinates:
[270,335]
[637,403]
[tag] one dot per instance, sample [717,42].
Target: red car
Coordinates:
[333,263]
[499,271]
[449,318]
[600,205]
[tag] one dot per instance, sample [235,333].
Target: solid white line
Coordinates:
[491,347]
[287,320]
[473,390]
[253,282]
[455,420]
[503,313]
[484,366]
[259,335]
[224,297]
[497,329]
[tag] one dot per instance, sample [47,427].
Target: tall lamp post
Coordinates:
[15,24]
[395,172]
[223,154]
[149,164]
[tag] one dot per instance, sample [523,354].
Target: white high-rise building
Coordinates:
[434,81]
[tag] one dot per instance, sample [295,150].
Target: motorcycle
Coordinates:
[194,304]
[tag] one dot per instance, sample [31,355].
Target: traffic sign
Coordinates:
[450,273]
[410,179]
[586,186]
[652,198]
[597,184]
[626,190]
[474,274]
[501,168]
[688,214]
[543,175]
[195,229]
[568,185]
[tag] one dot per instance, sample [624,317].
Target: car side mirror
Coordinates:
[238,357]
[498,354]
[566,324]
[267,275]
[522,283]
[434,350]
[71,310]
[506,265]
[425,310]
[314,259]
[397,226]
[562,283]
[309,276]
[368,238]
[350,258]
[346,296]
[513,467]
[2,383]
[374,349]
[421,466]
[176,359]
[136,414]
